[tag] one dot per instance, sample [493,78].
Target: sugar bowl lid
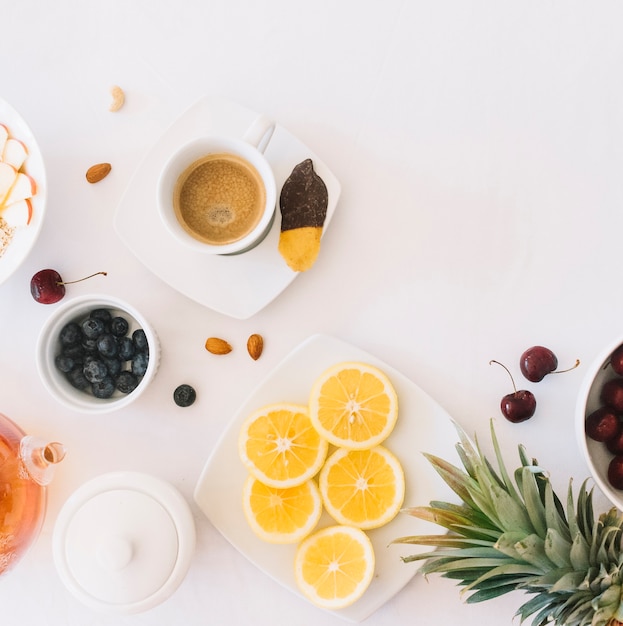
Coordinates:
[123,542]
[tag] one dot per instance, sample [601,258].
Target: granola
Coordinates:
[6,235]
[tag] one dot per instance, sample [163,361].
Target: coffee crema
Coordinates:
[219,198]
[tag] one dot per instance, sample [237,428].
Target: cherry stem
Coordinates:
[71,282]
[506,368]
[577,362]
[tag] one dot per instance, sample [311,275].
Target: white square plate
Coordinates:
[240,285]
[422,426]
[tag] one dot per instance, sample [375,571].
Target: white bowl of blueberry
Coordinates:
[599,421]
[97,354]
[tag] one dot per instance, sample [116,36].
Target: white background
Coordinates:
[478,145]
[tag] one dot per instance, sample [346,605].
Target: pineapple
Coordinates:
[517,534]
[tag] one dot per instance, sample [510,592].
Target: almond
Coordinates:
[217,346]
[98,172]
[255,345]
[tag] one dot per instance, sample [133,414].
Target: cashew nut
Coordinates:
[118,98]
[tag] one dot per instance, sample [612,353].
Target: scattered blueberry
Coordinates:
[104,388]
[126,382]
[119,326]
[184,395]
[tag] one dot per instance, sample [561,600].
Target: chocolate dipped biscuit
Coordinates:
[303,203]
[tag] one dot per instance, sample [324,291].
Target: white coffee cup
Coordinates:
[217,195]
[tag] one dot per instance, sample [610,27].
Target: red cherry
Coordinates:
[518,406]
[615,472]
[615,444]
[612,394]
[47,286]
[537,362]
[616,360]
[602,424]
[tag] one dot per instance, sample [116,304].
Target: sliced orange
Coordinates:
[281,515]
[353,405]
[362,488]
[280,447]
[334,566]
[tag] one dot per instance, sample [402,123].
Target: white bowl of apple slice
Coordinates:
[599,420]
[97,353]
[23,189]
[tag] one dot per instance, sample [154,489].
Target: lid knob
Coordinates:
[114,553]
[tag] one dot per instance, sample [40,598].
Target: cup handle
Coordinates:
[260,132]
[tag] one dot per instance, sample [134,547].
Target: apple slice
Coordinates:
[8,175]
[4,135]
[23,187]
[14,152]
[17,214]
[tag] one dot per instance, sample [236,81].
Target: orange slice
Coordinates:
[353,405]
[280,447]
[362,488]
[281,515]
[334,566]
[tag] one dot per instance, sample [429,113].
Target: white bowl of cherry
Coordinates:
[599,421]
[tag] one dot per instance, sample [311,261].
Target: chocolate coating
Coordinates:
[304,198]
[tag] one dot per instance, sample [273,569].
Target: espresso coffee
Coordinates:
[219,199]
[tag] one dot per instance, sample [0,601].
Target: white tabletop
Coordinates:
[478,148]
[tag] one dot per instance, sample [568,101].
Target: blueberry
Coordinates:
[140,340]
[113,366]
[89,345]
[184,395]
[126,382]
[92,328]
[101,314]
[139,364]
[126,348]
[64,363]
[70,334]
[77,379]
[103,388]
[107,345]
[75,352]
[119,326]
[95,370]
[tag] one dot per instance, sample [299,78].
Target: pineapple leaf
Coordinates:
[454,478]
[494,592]
[507,541]
[579,553]
[557,548]
[554,513]
[532,550]
[534,504]
[516,534]
[445,541]
[510,487]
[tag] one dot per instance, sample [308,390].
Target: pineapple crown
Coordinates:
[517,534]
